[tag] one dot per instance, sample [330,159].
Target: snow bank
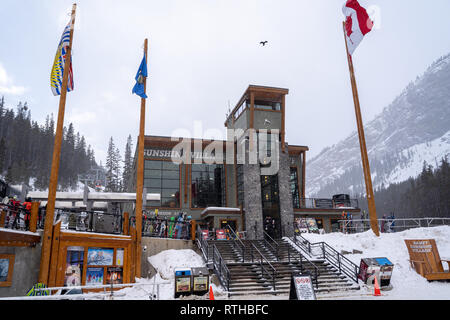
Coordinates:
[407,284]
[165,264]
[166,261]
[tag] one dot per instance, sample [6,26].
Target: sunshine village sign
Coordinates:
[249,148]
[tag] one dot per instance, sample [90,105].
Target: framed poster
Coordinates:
[114,275]
[6,269]
[100,257]
[200,283]
[119,257]
[94,276]
[183,284]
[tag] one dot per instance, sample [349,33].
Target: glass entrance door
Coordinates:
[271,206]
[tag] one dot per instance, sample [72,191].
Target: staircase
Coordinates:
[250,274]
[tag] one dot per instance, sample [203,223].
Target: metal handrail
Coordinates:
[202,244]
[274,249]
[221,268]
[315,278]
[336,259]
[219,264]
[14,215]
[261,263]
[395,224]
[237,242]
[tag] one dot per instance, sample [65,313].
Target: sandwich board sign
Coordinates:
[301,287]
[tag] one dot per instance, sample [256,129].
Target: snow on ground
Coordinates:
[407,284]
[165,264]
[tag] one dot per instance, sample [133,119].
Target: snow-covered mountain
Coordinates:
[414,128]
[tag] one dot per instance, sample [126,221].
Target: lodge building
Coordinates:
[231,189]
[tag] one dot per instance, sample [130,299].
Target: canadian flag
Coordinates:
[357,24]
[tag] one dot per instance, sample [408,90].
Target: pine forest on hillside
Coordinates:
[426,196]
[26,150]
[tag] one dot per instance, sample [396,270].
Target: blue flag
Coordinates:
[141,74]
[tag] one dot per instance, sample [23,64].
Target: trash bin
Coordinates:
[200,281]
[381,268]
[183,282]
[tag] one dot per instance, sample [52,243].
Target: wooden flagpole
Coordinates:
[362,144]
[49,214]
[140,175]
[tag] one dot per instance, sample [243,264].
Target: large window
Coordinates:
[208,185]
[294,188]
[163,177]
[267,105]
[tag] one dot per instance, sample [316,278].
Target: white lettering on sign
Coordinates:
[421,246]
[176,154]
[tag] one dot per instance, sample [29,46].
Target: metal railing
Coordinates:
[220,267]
[236,242]
[212,255]
[300,259]
[328,253]
[322,203]
[391,225]
[275,247]
[90,221]
[271,272]
[164,228]
[76,292]
[14,217]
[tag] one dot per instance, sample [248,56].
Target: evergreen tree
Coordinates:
[112,168]
[128,163]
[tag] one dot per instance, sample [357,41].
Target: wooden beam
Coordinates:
[13,239]
[48,227]
[140,175]
[126,223]
[303,173]
[54,255]
[34,216]
[283,119]
[2,218]
[362,144]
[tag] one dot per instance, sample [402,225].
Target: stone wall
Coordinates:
[286,207]
[27,261]
[252,201]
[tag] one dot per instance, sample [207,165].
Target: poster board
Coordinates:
[201,283]
[221,235]
[301,288]
[6,269]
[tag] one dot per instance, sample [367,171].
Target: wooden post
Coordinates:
[140,176]
[48,227]
[126,223]
[252,122]
[133,251]
[34,216]
[362,144]
[54,255]
[283,125]
[193,229]
[2,218]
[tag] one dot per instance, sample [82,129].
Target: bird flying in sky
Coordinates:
[263,43]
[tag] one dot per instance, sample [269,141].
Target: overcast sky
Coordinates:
[203,54]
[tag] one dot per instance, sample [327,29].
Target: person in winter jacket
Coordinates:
[171,227]
[27,206]
[179,225]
